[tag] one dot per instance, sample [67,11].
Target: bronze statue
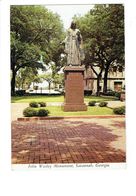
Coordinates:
[74,46]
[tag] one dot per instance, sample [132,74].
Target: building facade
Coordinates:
[115,82]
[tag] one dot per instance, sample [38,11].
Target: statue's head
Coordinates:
[73,25]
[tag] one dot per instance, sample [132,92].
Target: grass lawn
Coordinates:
[57,111]
[56,98]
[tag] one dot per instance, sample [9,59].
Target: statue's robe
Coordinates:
[73,47]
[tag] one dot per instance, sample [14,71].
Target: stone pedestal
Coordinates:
[74,89]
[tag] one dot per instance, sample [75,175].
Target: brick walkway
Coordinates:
[69,141]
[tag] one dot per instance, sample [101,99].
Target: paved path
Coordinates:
[115,104]
[69,141]
[17,110]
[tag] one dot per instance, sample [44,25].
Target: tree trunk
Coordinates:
[13,82]
[49,87]
[14,71]
[105,79]
[105,82]
[22,85]
[98,79]
[98,86]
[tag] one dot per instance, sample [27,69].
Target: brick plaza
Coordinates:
[83,140]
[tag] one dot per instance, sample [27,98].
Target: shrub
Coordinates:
[20,92]
[33,104]
[87,92]
[29,112]
[122,96]
[42,112]
[117,94]
[103,104]
[110,93]
[92,103]
[119,110]
[42,104]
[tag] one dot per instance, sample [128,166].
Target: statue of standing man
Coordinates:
[74,46]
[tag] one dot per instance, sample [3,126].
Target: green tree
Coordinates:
[26,76]
[48,77]
[35,31]
[103,33]
[58,79]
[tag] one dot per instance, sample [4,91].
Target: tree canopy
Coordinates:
[103,33]
[35,31]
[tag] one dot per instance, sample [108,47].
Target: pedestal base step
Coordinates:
[74,107]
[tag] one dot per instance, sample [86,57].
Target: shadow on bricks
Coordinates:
[64,141]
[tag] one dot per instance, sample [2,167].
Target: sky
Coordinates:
[66,12]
